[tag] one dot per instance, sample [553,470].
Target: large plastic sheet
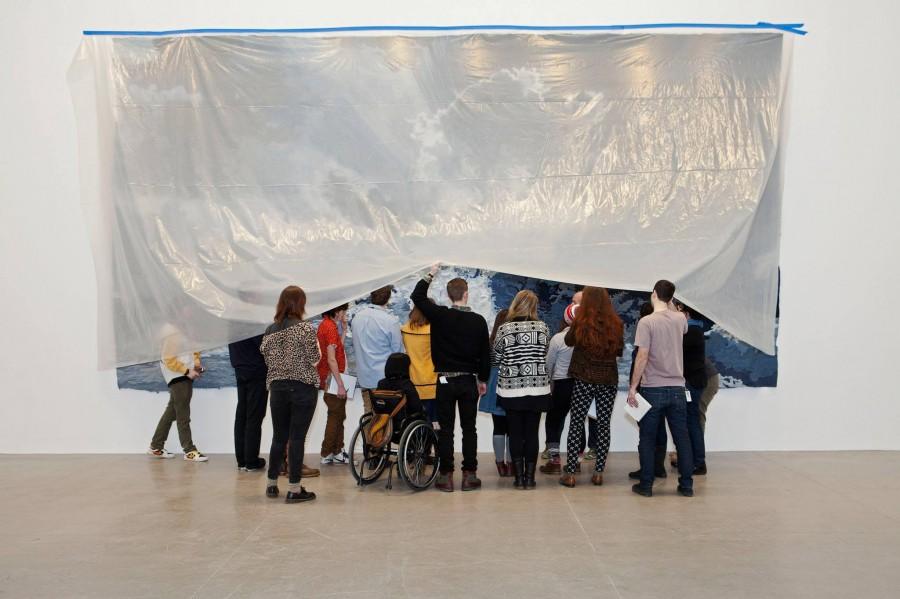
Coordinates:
[217,169]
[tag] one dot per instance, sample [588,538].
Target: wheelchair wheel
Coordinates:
[418,458]
[366,463]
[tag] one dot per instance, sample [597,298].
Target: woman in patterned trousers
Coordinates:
[598,336]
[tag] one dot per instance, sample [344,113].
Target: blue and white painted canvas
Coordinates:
[739,364]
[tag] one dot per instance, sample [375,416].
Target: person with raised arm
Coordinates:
[462,360]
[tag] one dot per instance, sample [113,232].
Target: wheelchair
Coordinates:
[387,439]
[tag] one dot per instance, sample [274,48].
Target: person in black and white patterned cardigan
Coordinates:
[523,384]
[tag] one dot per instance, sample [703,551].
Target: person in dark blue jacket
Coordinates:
[250,375]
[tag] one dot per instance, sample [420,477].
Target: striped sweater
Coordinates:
[520,352]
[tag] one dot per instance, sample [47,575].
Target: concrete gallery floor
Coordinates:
[761,525]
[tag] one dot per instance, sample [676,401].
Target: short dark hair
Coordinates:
[665,290]
[333,312]
[456,288]
[381,296]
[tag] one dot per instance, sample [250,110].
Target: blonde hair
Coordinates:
[524,304]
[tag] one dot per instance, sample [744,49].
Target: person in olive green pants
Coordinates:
[180,369]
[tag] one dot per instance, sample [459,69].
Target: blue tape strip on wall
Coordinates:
[796,28]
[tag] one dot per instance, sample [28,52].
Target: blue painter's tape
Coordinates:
[796,28]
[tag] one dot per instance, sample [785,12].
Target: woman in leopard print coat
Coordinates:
[291,352]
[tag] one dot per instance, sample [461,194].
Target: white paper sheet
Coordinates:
[640,411]
[349,384]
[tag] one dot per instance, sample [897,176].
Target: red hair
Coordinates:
[597,327]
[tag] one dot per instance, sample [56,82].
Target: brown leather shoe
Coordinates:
[307,472]
[597,479]
[567,480]
[551,467]
[444,482]
[470,482]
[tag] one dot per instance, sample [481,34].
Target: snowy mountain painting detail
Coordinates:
[739,364]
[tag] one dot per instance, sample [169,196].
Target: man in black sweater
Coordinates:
[461,354]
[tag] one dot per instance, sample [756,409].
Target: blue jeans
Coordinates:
[669,403]
[695,429]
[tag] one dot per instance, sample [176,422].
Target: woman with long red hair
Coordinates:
[598,336]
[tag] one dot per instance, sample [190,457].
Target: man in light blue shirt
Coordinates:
[376,335]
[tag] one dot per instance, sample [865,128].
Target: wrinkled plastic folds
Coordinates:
[218,169]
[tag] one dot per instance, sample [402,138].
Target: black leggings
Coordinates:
[556,417]
[501,426]
[293,405]
[523,434]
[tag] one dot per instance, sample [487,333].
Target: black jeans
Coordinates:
[459,391]
[556,417]
[431,412]
[523,434]
[293,406]
[695,428]
[248,418]
[669,403]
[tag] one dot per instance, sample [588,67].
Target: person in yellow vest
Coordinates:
[417,341]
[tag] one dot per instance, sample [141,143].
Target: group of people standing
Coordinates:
[445,361]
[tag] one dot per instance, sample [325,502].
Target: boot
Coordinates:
[510,469]
[597,479]
[529,475]
[501,469]
[519,465]
[470,481]
[659,462]
[552,467]
[444,482]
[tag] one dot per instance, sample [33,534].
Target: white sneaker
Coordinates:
[162,454]
[195,456]
[329,459]
[341,458]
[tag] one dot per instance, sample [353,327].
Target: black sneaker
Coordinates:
[642,490]
[272,491]
[259,465]
[701,470]
[685,492]
[303,495]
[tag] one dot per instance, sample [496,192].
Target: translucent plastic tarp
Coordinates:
[218,169]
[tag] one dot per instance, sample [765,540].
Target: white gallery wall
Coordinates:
[840,283]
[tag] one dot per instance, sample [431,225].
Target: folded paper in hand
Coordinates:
[638,412]
[349,384]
